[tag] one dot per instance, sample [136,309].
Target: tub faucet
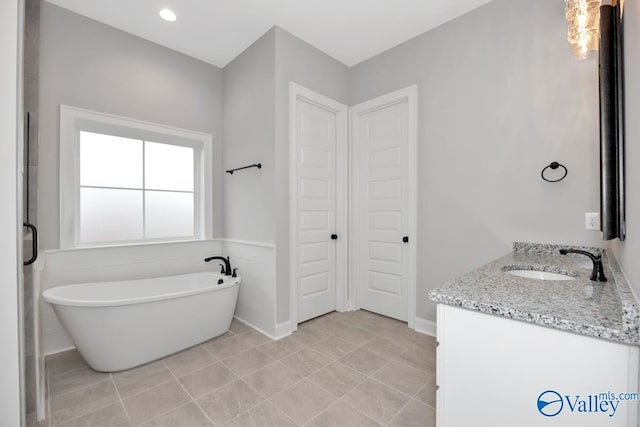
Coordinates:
[227,264]
[597,274]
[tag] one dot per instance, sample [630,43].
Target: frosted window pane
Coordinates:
[110,161]
[169,214]
[168,167]
[108,215]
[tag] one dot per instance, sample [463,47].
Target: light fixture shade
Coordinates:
[583,27]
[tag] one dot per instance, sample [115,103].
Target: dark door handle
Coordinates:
[405,239]
[334,237]
[34,243]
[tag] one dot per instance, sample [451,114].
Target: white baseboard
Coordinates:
[282,329]
[425,326]
[58,351]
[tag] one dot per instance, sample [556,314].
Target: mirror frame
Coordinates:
[612,141]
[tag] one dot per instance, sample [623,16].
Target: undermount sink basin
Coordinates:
[540,275]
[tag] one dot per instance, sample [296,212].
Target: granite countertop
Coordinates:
[605,310]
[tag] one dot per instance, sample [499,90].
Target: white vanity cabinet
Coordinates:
[491,371]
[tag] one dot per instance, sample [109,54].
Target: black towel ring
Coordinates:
[554,165]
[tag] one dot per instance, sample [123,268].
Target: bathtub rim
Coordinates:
[49,295]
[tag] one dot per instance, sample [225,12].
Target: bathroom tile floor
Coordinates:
[341,369]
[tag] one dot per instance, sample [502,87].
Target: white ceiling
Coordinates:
[216,31]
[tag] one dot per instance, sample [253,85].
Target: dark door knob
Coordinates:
[334,237]
[405,239]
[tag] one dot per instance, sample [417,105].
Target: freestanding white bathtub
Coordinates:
[120,325]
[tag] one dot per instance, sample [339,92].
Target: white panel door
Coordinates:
[382,190]
[316,209]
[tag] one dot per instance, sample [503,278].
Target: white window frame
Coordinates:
[74,120]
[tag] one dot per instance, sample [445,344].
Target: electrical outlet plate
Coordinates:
[592,221]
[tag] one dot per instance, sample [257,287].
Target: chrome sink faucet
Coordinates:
[597,274]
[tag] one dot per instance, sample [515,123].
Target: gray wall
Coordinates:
[256,129]
[249,137]
[629,251]
[500,97]
[301,63]
[89,65]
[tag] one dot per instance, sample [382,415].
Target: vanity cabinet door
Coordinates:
[493,371]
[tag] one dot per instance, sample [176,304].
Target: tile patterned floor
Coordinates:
[341,369]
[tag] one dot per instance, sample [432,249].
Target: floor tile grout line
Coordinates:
[347,392]
[220,360]
[388,361]
[203,411]
[339,400]
[193,370]
[202,346]
[162,414]
[73,390]
[398,413]
[137,393]
[287,388]
[423,388]
[236,378]
[311,373]
[249,373]
[350,406]
[282,412]
[356,409]
[248,409]
[226,338]
[264,401]
[188,394]
[87,413]
[73,370]
[121,401]
[414,367]
[84,413]
[410,400]
[293,385]
[168,412]
[321,412]
[50,358]
[219,339]
[411,396]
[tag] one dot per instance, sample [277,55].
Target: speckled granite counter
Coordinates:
[606,310]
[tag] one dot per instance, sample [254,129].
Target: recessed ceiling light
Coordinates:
[168,15]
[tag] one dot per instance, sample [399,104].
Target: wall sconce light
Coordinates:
[583,27]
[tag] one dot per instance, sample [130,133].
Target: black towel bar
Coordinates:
[257,165]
